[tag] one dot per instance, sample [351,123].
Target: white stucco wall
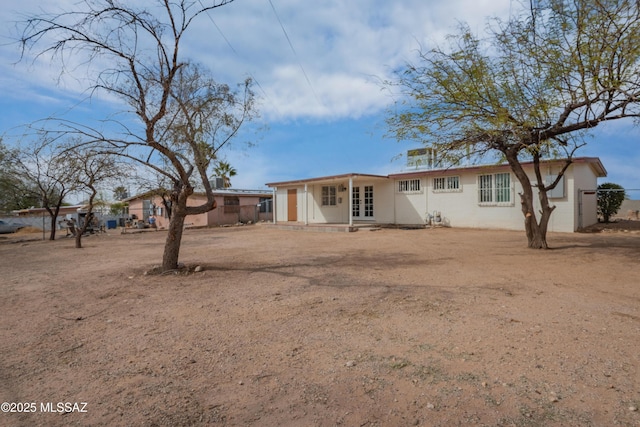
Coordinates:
[460,208]
[327,214]
[383,208]
[411,207]
[310,207]
[280,204]
[585,180]
[457,207]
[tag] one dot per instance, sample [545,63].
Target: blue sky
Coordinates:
[322,104]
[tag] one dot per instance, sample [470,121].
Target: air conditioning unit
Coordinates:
[216,183]
[422,158]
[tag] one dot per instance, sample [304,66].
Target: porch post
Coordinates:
[305,208]
[350,201]
[273,205]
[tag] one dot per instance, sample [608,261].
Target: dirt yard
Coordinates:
[441,327]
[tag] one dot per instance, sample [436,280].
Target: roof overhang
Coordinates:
[328,179]
[593,162]
[43,210]
[216,193]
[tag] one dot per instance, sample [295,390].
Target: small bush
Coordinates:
[610,197]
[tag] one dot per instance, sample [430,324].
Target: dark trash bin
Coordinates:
[112,224]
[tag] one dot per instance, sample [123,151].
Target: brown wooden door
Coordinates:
[292,205]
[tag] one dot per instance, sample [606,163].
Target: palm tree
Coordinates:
[224,170]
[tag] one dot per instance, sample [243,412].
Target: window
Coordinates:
[446,183]
[409,185]
[265,205]
[231,204]
[485,188]
[503,188]
[438,183]
[329,195]
[494,189]
[453,183]
[558,192]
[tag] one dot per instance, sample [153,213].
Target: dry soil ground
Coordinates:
[436,327]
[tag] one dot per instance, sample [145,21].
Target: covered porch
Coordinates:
[343,201]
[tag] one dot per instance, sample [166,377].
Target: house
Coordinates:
[39,212]
[233,206]
[473,196]
[34,217]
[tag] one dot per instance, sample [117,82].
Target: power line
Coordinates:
[294,52]
[238,55]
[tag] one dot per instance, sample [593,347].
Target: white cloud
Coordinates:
[344,48]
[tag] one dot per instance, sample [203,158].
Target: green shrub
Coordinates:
[610,197]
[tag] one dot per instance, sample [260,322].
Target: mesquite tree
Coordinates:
[133,51]
[44,166]
[530,90]
[93,169]
[15,192]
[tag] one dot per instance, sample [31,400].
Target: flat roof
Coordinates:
[216,192]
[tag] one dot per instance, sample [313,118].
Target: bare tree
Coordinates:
[45,167]
[186,117]
[93,168]
[532,90]
[120,193]
[15,193]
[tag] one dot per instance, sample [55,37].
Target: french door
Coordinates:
[362,198]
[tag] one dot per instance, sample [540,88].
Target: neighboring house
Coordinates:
[233,206]
[39,217]
[474,196]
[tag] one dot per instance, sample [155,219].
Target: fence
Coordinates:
[233,214]
[44,222]
[230,214]
[630,208]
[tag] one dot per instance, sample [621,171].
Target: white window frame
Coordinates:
[494,191]
[453,183]
[329,195]
[558,192]
[447,184]
[409,186]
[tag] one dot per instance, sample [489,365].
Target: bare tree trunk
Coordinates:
[79,238]
[53,215]
[536,231]
[81,230]
[179,212]
[174,237]
[88,218]
[52,234]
